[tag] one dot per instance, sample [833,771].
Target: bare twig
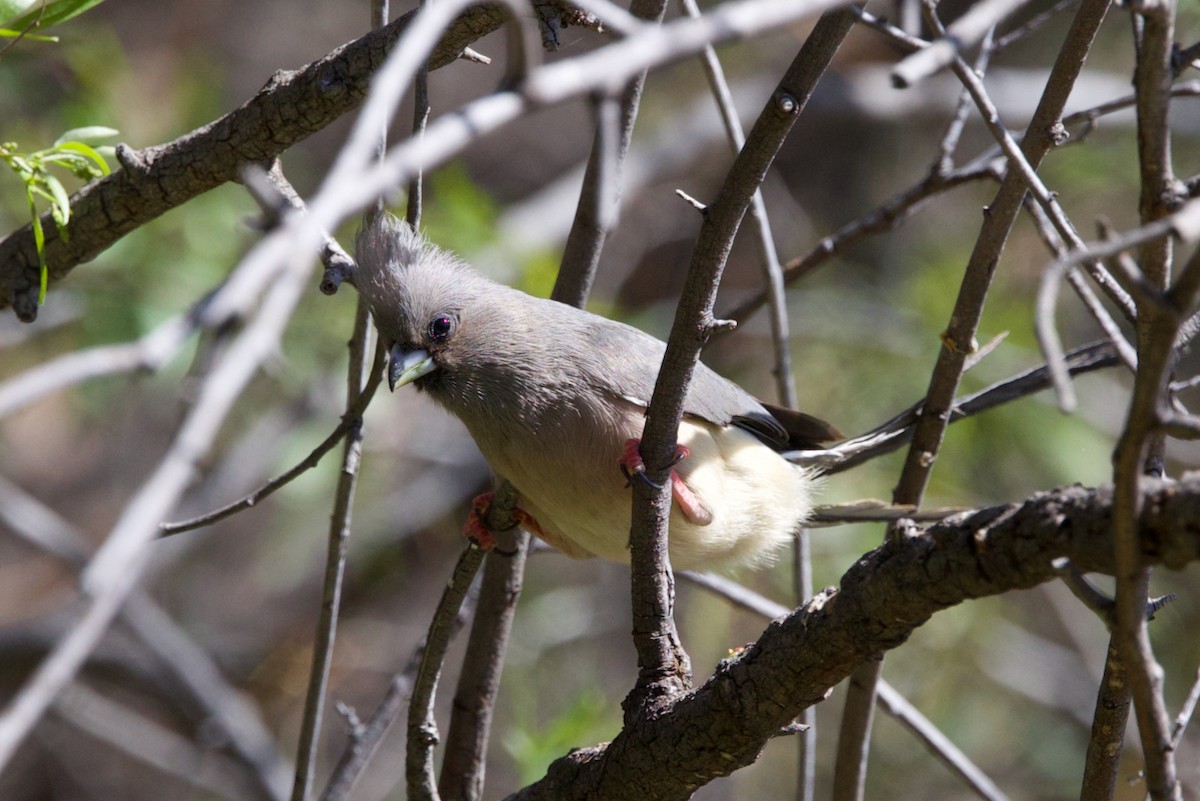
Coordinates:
[760,226]
[192,666]
[887,217]
[1109,721]
[359,370]
[1032,25]
[664,669]
[1099,313]
[802,579]
[903,40]
[1183,224]
[365,739]
[597,210]
[148,353]
[1185,712]
[352,419]
[1140,446]
[113,572]
[964,32]
[336,260]
[850,767]
[462,774]
[422,729]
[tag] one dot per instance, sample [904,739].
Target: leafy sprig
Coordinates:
[74,151]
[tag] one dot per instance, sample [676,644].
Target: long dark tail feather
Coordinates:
[805,432]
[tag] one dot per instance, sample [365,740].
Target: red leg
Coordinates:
[476,529]
[689,503]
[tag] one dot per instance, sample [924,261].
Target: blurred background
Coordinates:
[1012,679]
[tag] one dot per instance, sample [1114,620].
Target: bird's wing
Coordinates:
[627,366]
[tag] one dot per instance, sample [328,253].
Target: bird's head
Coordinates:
[425,301]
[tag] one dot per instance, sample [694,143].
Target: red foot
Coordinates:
[476,530]
[689,503]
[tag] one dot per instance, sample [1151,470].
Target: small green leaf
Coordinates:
[22,167]
[92,165]
[88,134]
[39,243]
[60,208]
[8,33]
[44,15]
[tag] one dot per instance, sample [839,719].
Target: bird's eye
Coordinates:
[440,328]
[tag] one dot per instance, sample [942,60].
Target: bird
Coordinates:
[555,399]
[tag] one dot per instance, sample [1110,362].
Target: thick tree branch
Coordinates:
[885,596]
[292,106]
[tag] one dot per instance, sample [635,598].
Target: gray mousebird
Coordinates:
[552,394]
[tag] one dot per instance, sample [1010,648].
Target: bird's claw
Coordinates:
[632,465]
[476,528]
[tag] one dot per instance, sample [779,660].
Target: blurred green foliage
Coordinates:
[534,743]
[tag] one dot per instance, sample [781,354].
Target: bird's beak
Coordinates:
[408,365]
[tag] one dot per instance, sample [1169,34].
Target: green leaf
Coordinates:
[33,11]
[8,33]
[88,134]
[39,243]
[60,209]
[86,162]
[22,167]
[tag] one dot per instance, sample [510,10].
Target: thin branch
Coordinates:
[902,39]
[802,580]
[114,571]
[964,32]
[365,739]
[352,419]
[891,214]
[148,353]
[276,196]
[463,763]
[1111,716]
[1032,25]
[1099,313]
[597,210]
[359,372]
[664,670]
[961,331]
[760,226]
[1140,445]
[192,666]
[1184,224]
[422,728]
[1185,712]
